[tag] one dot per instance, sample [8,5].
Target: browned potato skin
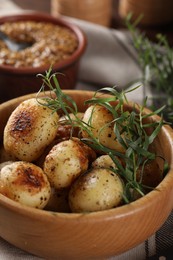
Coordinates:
[29,130]
[6,156]
[25,183]
[89,152]
[66,161]
[65,131]
[58,201]
[152,174]
[96,190]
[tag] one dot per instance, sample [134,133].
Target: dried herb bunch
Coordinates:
[130,128]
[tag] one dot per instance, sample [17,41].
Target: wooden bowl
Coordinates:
[97,11]
[85,236]
[20,81]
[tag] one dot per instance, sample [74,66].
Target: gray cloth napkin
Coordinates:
[8,7]
[109,60]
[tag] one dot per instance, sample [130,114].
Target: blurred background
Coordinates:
[157,14]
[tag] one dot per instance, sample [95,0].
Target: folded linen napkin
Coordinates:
[109,60]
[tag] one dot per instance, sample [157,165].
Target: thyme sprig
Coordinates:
[130,128]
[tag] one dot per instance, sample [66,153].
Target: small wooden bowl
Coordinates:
[21,81]
[97,11]
[85,236]
[155,13]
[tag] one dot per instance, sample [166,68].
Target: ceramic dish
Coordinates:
[19,81]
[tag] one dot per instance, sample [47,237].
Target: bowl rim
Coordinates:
[60,20]
[161,190]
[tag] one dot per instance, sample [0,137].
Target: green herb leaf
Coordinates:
[130,129]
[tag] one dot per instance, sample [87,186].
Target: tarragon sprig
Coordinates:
[156,61]
[130,128]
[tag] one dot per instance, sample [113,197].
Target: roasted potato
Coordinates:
[65,162]
[96,190]
[103,161]
[99,119]
[151,175]
[25,183]
[6,156]
[58,201]
[64,118]
[29,130]
[4,164]
[65,130]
